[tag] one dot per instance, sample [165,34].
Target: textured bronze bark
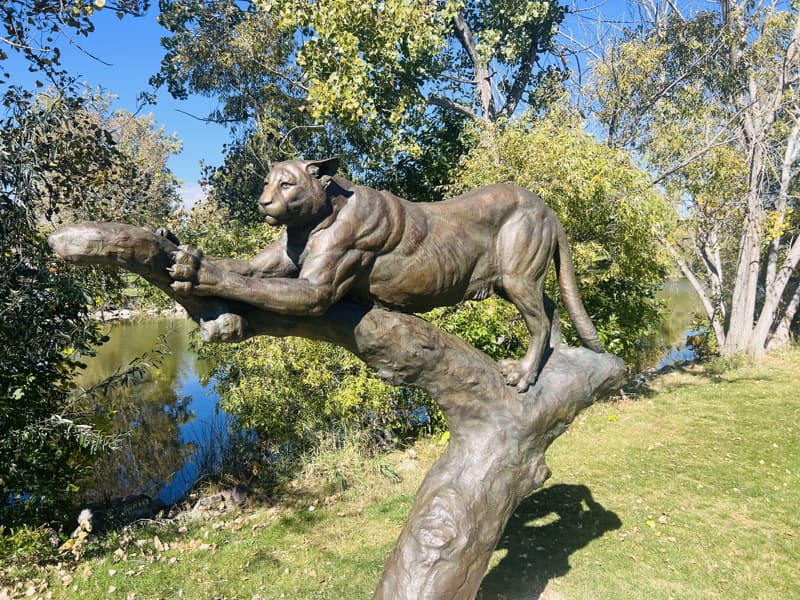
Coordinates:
[498,437]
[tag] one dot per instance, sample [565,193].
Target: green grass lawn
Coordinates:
[691,492]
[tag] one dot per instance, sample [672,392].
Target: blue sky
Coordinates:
[131,47]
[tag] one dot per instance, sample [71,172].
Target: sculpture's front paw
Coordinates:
[185,269]
[517,374]
[227,327]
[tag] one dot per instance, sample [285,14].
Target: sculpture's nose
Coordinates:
[264,200]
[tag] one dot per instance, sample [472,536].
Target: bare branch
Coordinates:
[713,267]
[581,46]
[284,77]
[288,134]
[207,119]
[482,77]
[674,8]
[713,47]
[691,158]
[447,103]
[520,81]
[465,37]
[712,312]
[20,46]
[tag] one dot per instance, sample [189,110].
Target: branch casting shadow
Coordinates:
[538,553]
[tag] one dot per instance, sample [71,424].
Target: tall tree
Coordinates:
[711,100]
[365,73]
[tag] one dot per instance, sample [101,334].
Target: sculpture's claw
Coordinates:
[168,235]
[523,386]
[182,287]
[182,272]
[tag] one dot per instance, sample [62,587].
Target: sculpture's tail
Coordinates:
[568,285]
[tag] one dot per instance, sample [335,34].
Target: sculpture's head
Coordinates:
[294,191]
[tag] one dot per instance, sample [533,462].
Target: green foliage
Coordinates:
[424,176]
[709,102]
[608,210]
[215,229]
[493,326]
[45,447]
[62,158]
[339,463]
[27,545]
[149,188]
[357,79]
[75,162]
[720,365]
[289,390]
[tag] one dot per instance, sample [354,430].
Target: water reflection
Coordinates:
[170,418]
[165,417]
[682,307]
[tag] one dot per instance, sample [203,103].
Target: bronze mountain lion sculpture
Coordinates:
[343,239]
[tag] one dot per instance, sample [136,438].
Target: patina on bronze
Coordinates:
[350,260]
[345,240]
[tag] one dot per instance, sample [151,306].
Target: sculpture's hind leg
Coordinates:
[528,296]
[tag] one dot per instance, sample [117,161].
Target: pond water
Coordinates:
[171,421]
[682,306]
[170,418]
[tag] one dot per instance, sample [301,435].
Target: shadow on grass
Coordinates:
[540,537]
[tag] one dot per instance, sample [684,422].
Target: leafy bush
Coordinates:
[290,389]
[45,443]
[27,544]
[608,209]
[58,162]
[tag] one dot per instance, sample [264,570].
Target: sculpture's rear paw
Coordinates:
[517,374]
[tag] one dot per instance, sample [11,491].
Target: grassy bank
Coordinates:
[691,492]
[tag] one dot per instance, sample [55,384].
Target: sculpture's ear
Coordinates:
[323,169]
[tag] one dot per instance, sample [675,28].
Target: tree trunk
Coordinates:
[743,302]
[498,436]
[494,460]
[782,334]
[772,314]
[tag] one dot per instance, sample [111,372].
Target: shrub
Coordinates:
[608,209]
